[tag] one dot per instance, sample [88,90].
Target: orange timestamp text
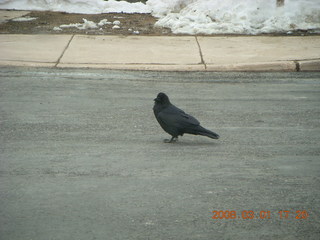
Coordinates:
[249,214]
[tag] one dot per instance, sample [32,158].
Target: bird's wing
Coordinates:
[174,116]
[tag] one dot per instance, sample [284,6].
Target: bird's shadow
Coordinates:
[193,143]
[184,142]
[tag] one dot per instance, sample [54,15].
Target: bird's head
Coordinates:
[162,98]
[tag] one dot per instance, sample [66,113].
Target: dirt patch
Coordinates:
[45,23]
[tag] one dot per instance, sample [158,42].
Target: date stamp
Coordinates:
[249,214]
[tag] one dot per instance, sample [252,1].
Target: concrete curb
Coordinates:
[288,66]
[140,67]
[285,66]
[309,65]
[25,64]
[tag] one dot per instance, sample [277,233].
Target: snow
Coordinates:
[237,17]
[24,19]
[57,29]
[76,6]
[85,25]
[122,6]
[71,6]
[104,22]
[197,16]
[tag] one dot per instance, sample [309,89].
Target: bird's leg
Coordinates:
[172,140]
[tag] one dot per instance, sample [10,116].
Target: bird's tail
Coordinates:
[205,132]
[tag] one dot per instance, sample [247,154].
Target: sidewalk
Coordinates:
[178,53]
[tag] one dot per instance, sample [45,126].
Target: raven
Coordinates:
[175,121]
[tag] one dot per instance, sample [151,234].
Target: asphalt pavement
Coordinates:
[82,156]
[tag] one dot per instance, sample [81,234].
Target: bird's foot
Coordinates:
[172,140]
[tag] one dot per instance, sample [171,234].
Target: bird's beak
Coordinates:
[156,100]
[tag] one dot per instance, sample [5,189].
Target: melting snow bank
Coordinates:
[198,16]
[76,6]
[238,17]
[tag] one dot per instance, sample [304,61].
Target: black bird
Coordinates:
[175,121]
